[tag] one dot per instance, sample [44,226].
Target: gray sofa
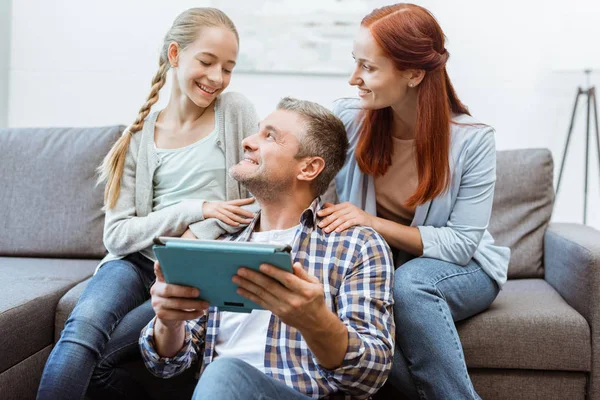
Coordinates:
[539,340]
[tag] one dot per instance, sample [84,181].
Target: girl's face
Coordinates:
[380,84]
[203,69]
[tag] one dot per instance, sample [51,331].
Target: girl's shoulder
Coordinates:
[234,102]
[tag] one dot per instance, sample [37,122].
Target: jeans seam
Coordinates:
[450,327]
[113,352]
[455,275]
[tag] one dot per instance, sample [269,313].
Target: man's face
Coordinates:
[269,167]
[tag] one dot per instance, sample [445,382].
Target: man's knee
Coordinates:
[226,378]
[225,367]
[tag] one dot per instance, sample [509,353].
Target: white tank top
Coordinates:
[196,171]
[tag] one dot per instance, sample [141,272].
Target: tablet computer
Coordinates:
[209,266]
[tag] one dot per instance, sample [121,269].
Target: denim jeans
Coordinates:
[233,379]
[119,287]
[121,374]
[430,295]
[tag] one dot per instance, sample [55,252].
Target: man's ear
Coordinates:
[173,54]
[310,168]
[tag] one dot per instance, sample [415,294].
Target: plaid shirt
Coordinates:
[356,269]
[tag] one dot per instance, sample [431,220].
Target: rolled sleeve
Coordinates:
[167,367]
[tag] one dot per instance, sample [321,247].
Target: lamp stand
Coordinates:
[590,93]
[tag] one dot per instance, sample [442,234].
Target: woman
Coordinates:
[421,172]
[165,174]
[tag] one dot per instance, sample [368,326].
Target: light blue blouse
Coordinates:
[453,226]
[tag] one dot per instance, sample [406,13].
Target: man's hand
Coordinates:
[340,217]
[174,304]
[297,299]
[229,212]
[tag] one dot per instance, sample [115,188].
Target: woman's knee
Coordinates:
[409,279]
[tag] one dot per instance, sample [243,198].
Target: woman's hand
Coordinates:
[340,217]
[229,212]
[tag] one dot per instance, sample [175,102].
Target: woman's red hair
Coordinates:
[411,37]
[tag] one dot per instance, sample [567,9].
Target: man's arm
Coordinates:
[364,305]
[171,341]
[299,301]
[354,348]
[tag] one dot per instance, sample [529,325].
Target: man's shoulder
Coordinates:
[361,238]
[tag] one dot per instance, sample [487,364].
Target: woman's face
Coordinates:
[380,84]
[203,69]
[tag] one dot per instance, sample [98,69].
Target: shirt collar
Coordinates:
[308,219]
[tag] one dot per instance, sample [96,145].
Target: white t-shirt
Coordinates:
[196,171]
[244,335]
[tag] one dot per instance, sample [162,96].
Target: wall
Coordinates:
[90,63]
[5,28]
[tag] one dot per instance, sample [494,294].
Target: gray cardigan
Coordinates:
[131,225]
[453,226]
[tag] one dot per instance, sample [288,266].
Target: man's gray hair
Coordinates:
[325,137]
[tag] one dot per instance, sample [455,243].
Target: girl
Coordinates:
[165,174]
[421,172]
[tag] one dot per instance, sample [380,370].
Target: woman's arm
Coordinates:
[342,216]
[458,240]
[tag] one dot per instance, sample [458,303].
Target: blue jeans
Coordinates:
[234,379]
[429,296]
[119,287]
[121,374]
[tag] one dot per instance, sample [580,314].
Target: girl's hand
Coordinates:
[340,217]
[229,212]
[188,234]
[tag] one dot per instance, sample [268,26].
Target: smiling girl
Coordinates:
[165,174]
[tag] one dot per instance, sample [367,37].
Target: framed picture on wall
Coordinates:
[296,37]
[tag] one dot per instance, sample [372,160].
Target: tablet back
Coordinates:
[209,266]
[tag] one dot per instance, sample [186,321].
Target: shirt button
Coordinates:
[218,143]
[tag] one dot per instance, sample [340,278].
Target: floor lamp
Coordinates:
[590,94]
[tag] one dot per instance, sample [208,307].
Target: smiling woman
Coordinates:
[166,174]
[421,172]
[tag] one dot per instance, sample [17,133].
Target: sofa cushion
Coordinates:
[31,288]
[529,326]
[50,205]
[65,305]
[22,380]
[522,208]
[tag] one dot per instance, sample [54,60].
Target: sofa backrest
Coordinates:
[50,205]
[522,208]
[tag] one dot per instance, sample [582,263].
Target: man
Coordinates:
[327,328]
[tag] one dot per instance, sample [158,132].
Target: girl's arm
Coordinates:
[126,233]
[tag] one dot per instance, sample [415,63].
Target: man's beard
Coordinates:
[263,189]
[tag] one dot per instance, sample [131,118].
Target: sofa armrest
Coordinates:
[572,266]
